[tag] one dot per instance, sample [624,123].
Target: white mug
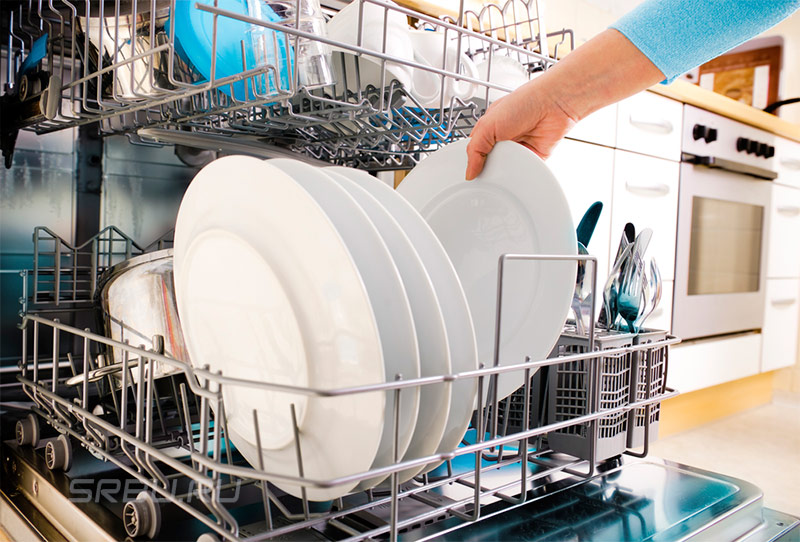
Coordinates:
[430,50]
[505,71]
[343,27]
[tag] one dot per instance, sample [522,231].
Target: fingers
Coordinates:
[479,146]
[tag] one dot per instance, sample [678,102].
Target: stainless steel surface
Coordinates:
[640,500]
[722,233]
[374,128]
[137,300]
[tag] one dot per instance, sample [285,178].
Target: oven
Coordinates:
[720,263]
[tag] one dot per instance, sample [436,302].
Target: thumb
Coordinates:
[480,144]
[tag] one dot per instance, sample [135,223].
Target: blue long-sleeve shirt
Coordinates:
[678,35]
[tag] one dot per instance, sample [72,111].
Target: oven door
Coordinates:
[721,252]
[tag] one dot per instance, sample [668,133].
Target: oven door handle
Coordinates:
[729,165]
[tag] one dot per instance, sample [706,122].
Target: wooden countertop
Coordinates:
[685,92]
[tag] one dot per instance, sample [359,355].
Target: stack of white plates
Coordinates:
[325,278]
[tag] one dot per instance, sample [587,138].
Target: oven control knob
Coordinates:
[762,150]
[711,135]
[698,132]
[752,146]
[770,152]
[741,144]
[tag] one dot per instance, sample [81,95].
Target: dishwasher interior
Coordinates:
[109,434]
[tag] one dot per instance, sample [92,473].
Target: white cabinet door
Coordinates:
[783,260]
[600,127]
[650,124]
[584,171]
[646,194]
[662,316]
[787,159]
[700,364]
[781,315]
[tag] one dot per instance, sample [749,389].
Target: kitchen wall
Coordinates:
[590,17]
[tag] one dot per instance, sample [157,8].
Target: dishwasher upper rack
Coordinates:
[347,123]
[166,432]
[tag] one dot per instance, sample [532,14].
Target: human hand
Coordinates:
[530,116]
[538,114]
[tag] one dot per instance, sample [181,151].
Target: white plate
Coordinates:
[386,291]
[451,298]
[428,321]
[267,291]
[515,206]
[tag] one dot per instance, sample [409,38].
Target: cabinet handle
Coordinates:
[659,126]
[791,163]
[790,210]
[784,301]
[647,189]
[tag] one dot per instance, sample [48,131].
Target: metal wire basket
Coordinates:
[144,83]
[171,435]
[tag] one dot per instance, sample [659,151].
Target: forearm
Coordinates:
[605,70]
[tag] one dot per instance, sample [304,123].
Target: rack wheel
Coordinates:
[142,517]
[28,431]
[207,537]
[58,453]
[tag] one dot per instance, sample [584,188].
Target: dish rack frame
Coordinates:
[348,124]
[170,434]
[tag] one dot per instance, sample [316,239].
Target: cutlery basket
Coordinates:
[570,395]
[653,360]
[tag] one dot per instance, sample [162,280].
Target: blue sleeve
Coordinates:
[678,35]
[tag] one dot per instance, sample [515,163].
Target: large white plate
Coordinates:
[428,320]
[386,290]
[452,302]
[515,206]
[268,291]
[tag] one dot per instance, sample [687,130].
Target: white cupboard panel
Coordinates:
[585,173]
[646,194]
[783,260]
[781,319]
[662,316]
[600,127]
[787,158]
[650,124]
[700,364]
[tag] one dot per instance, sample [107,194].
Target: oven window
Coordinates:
[725,253]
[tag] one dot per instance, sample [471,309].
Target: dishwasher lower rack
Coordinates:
[374,125]
[170,436]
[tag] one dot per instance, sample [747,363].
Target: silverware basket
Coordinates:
[643,422]
[571,392]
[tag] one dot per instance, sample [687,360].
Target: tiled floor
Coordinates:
[761,446]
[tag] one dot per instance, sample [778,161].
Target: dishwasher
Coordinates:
[109,435]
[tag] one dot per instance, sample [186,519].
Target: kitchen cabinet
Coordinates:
[708,362]
[600,127]
[662,316]
[783,254]
[646,194]
[650,124]
[787,158]
[781,324]
[585,173]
